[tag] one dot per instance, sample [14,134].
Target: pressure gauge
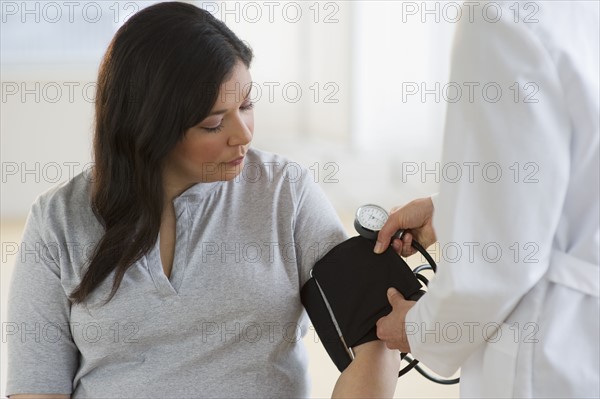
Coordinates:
[370,219]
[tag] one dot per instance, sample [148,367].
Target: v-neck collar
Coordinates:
[169,286]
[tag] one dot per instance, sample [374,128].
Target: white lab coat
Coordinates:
[541,290]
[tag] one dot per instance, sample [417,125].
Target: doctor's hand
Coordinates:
[391,328]
[415,218]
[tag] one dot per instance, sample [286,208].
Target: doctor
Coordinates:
[515,302]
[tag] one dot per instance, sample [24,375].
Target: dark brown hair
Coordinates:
[159,77]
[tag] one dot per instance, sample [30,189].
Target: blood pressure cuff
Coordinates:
[347,294]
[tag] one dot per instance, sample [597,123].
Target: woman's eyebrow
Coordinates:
[222,111]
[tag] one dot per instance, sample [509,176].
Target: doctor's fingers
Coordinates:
[384,236]
[395,298]
[414,216]
[425,235]
[382,328]
[404,247]
[387,331]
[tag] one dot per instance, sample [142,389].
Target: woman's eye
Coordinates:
[244,107]
[247,106]
[214,129]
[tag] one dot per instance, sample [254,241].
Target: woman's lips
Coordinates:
[236,161]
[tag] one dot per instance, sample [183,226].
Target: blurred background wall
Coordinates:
[353,90]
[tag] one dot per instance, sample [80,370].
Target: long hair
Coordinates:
[159,77]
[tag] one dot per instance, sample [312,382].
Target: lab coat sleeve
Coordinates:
[434,200]
[496,224]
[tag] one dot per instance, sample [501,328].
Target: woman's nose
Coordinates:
[241,132]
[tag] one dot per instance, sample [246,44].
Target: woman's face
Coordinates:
[215,149]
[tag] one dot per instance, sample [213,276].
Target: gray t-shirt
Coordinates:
[227,323]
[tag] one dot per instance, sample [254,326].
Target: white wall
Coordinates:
[49,58]
[350,60]
[48,84]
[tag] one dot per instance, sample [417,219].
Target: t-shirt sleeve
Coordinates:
[42,357]
[317,226]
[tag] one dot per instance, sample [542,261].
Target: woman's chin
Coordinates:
[231,171]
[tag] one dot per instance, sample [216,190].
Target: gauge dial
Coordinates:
[371,217]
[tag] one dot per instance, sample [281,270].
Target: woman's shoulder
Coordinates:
[66,204]
[274,167]
[268,158]
[71,193]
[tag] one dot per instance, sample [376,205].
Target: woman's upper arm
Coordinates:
[317,226]
[42,356]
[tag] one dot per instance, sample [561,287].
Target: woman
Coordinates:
[175,270]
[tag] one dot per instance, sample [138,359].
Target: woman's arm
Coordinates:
[39,311]
[372,373]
